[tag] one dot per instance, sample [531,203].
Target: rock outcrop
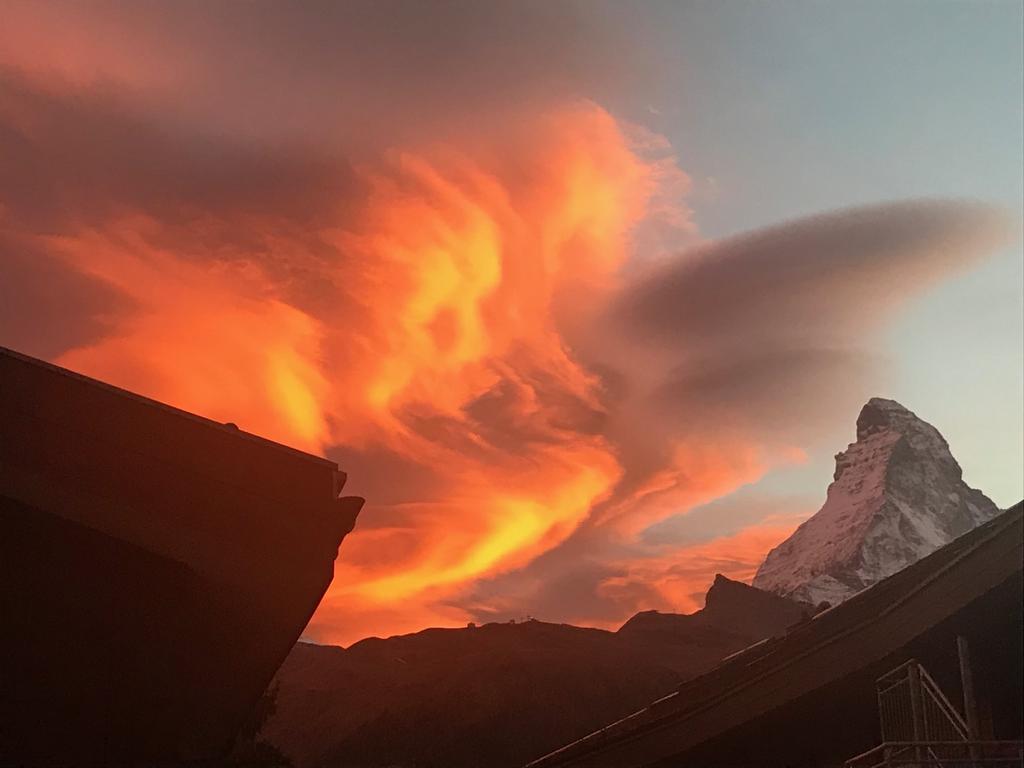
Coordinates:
[730,608]
[898,495]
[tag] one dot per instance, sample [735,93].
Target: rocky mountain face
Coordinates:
[729,607]
[501,694]
[898,495]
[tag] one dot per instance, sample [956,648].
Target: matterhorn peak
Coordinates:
[880,414]
[898,494]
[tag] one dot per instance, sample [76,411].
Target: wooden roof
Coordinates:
[838,642]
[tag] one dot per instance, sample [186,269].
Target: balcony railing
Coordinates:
[941,754]
[912,707]
[922,729]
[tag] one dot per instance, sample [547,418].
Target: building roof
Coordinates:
[158,567]
[227,503]
[9,357]
[837,642]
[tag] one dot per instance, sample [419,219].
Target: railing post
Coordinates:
[963,651]
[916,705]
[967,681]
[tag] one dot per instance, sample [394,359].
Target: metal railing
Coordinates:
[922,729]
[912,707]
[941,754]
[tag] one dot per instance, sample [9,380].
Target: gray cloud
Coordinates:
[829,275]
[770,329]
[39,293]
[358,73]
[72,157]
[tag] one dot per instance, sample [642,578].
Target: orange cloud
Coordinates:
[440,338]
[693,474]
[678,579]
[214,341]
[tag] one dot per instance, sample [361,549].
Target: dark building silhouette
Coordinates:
[155,569]
[883,673]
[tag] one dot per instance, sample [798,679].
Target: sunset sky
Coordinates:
[584,296]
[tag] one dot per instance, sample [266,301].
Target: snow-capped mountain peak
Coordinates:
[898,494]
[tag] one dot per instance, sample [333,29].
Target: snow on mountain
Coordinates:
[898,495]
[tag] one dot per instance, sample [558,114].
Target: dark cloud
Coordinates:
[769,329]
[785,391]
[73,157]
[359,72]
[38,294]
[76,159]
[829,275]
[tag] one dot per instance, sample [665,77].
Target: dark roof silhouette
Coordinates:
[866,628]
[156,569]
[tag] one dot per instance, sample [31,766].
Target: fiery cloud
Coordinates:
[211,340]
[463,310]
[679,579]
[420,319]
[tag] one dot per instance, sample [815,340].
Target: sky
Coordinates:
[583,296]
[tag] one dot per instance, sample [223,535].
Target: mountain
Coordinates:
[730,607]
[501,694]
[898,494]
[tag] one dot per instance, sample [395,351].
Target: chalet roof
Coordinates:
[158,567]
[837,642]
[15,363]
[224,501]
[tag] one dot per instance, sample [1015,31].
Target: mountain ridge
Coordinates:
[501,694]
